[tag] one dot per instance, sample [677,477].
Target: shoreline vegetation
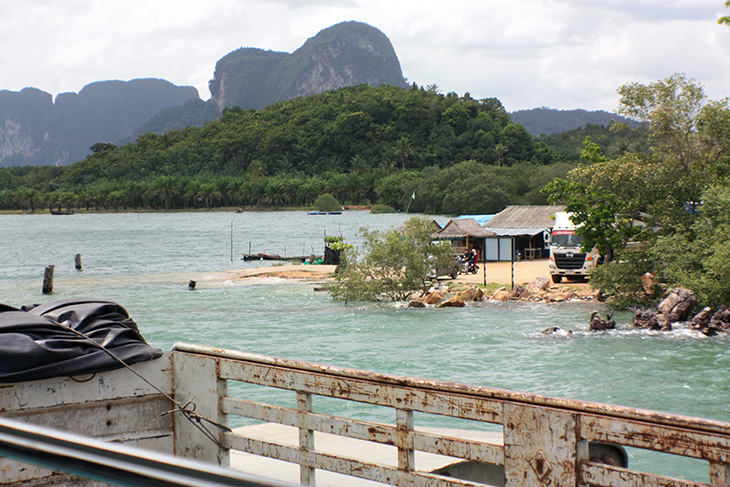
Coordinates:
[498,279]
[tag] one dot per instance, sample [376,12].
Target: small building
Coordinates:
[464,233]
[530,225]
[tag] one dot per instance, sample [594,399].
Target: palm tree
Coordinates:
[404,149]
[27,197]
[274,192]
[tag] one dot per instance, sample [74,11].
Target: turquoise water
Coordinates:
[144,262]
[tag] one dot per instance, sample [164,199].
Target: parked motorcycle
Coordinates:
[467,266]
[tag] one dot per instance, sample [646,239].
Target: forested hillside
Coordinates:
[35,130]
[362,144]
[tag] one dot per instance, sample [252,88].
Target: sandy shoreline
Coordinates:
[496,273]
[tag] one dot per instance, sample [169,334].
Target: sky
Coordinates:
[563,54]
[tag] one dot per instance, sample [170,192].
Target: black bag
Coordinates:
[38,342]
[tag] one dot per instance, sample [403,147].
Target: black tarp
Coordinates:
[37,342]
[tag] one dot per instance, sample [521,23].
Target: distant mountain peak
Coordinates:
[348,53]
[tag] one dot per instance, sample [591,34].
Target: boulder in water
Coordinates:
[599,324]
[452,302]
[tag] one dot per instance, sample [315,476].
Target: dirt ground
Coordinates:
[496,273]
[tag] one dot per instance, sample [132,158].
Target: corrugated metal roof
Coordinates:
[515,232]
[463,227]
[525,217]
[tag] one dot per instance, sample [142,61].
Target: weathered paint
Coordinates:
[546,440]
[114,405]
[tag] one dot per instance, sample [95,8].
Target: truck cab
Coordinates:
[567,256]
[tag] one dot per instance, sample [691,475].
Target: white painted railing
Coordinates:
[546,441]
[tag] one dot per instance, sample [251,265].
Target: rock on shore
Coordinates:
[539,290]
[677,308]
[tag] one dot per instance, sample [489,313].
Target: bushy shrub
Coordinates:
[327,202]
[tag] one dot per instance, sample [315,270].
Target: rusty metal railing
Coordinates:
[546,441]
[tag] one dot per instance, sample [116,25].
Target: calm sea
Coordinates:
[144,262]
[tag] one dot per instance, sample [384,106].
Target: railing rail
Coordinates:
[547,441]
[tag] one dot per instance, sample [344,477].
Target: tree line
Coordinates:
[364,145]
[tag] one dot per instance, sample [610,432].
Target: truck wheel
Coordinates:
[556,278]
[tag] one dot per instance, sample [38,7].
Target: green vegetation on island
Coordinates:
[363,145]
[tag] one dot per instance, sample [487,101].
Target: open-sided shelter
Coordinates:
[464,233]
[530,225]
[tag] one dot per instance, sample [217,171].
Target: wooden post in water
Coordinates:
[48,280]
[77,261]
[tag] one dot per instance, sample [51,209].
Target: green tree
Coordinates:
[699,258]
[678,115]
[396,263]
[27,197]
[327,202]
[725,20]
[606,197]
[658,200]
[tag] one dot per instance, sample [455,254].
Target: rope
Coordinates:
[187,410]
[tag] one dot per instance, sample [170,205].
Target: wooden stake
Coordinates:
[48,280]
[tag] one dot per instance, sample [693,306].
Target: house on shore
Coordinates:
[464,233]
[530,225]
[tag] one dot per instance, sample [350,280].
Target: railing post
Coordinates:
[306,438]
[719,474]
[406,454]
[540,446]
[196,384]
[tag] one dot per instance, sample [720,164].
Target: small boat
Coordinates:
[61,212]
[324,213]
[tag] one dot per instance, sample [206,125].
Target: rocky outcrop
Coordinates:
[454,301]
[540,290]
[346,54]
[474,293]
[675,308]
[36,130]
[437,299]
[711,323]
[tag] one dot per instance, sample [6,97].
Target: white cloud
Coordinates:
[559,53]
